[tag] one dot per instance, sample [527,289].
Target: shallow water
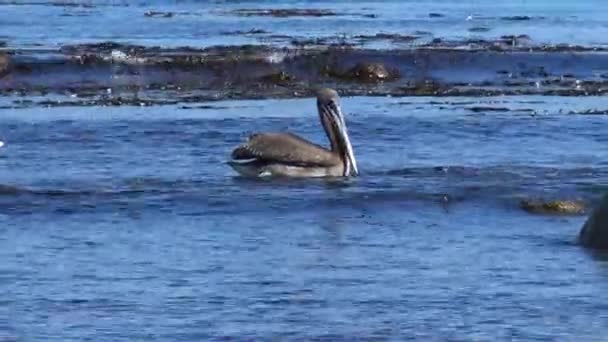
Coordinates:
[124,223]
[120,220]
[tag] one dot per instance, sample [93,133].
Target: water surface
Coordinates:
[124,223]
[120,220]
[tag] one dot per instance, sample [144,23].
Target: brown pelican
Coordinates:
[286,154]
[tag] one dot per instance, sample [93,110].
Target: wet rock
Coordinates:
[395,37]
[252,31]
[539,206]
[424,88]
[371,72]
[479,109]
[479,29]
[519,18]
[284,12]
[594,233]
[513,40]
[157,14]
[590,112]
[4,64]
[106,48]
[278,78]
[308,41]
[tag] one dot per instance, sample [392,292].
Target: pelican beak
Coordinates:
[349,155]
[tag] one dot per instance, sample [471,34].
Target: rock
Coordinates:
[157,14]
[361,72]
[594,233]
[284,12]
[371,72]
[479,29]
[395,37]
[571,207]
[277,78]
[4,64]
[520,40]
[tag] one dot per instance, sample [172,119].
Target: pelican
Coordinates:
[288,155]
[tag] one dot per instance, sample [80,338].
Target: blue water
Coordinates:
[124,223]
[203,23]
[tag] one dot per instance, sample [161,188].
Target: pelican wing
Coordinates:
[285,148]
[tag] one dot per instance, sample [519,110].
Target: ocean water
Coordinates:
[124,223]
[43,23]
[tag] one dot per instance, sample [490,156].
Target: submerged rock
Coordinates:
[539,206]
[594,233]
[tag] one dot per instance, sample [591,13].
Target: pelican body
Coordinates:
[288,155]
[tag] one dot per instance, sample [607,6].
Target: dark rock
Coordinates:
[239,32]
[256,31]
[522,39]
[388,36]
[424,88]
[286,12]
[436,15]
[277,78]
[520,18]
[539,206]
[479,29]
[371,72]
[155,14]
[590,112]
[478,109]
[361,72]
[5,64]
[594,233]
[308,41]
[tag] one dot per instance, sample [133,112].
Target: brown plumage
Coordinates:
[285,148]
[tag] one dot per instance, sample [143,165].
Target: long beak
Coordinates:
[351,162]
[350,155]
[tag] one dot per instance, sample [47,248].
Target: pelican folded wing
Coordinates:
[285,148]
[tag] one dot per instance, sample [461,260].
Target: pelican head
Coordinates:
[330,114]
